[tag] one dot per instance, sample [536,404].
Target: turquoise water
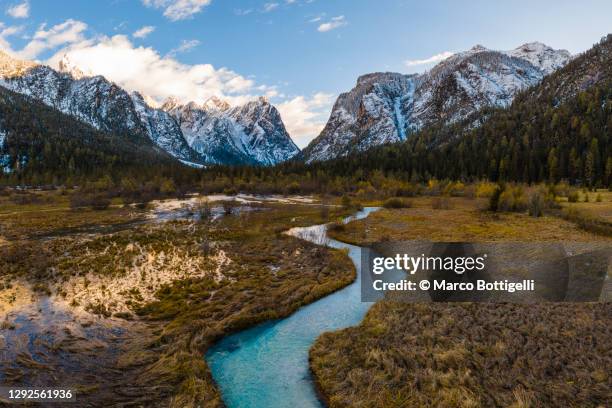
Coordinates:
[267,366]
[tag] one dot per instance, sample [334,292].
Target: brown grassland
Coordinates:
[469,355]
[466,220]
[472,354]
[141,304]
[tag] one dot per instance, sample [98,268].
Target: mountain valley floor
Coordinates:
[122,302]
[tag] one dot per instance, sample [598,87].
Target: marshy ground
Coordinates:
[463,219]
[121,306]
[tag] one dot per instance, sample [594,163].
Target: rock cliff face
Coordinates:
[387,107]
[249,134]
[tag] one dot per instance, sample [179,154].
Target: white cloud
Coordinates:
[19,11]
[143,69]
[185,46]
[7,32]
[68,32]
[269,7]
[431,60]
[143,32]
[178,9]
[335,22]
[243,12]
[304,117]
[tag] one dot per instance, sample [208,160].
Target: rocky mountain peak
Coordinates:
[215,103]
[13,67]
[144,99]
[262,100]
[66,66]
[170,103]
[478,48]
[541,56]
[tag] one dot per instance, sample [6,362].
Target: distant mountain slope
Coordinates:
[250,134]
[370,114]
[41,145]
[253,133]
[94,100]
[387,107]
[590,68]
[558,129]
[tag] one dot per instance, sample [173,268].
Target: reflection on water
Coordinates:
[44,342]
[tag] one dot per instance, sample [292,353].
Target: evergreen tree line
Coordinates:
[43,146]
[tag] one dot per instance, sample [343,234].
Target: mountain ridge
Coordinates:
[449,92]
[108,107]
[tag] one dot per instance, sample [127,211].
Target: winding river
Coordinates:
[267,366]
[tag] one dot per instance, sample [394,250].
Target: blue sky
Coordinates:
[300,53]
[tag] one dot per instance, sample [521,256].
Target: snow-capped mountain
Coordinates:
[164,131]
[541,56]
[249,134]
[95,101]
[387,107]
[213,133]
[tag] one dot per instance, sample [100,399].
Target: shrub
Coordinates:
[505,201]
[562,189]
[294,188]
[203,210]
[536,205]
[96,201]
[599,199]
[433,187]
[485,189]
[397,203]
[336,226]
[407,190]
[508,198]
[455,189]
[230,191]
[229,207]
[494,198]
[573,196]
[99,202]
